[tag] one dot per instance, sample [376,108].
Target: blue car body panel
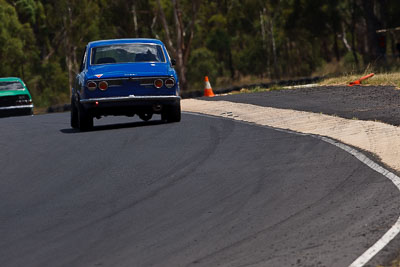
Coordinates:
[128,72]
[129,75]
[130,67]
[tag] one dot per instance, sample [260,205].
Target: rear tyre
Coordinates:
[172,113]
[85,120]
[74,115]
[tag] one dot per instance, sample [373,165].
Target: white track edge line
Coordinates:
[392,232]
[395,229]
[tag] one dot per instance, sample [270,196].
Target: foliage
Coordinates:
[202,63]
[15,37]
[42,41]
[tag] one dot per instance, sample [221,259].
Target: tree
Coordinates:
[79,26]
[372,25]
[16,43]
[42,40]
[184,16]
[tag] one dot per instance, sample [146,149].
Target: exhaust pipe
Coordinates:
[157,108]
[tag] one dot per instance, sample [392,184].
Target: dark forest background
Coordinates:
[228,40]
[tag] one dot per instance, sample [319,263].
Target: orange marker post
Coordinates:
[358,82]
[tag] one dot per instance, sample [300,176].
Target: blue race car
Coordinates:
[125,77]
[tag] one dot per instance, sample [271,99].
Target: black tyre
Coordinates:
[74,115]
[145,116]
[85,120]
[172,113]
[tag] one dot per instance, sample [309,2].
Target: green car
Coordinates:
[15,99]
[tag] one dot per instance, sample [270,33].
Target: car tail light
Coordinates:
[23,100]
[158,83]
[91,86]
[103,85]
[169,83]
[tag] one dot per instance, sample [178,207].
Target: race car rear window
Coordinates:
[127,53]
[5,86]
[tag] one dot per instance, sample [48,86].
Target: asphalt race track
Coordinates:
[379,103]
[202,192]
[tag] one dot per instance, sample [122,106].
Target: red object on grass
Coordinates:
[357,82]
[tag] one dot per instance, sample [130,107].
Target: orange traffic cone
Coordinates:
[358,82]
[207,88]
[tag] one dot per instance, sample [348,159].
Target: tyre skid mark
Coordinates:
[390,234]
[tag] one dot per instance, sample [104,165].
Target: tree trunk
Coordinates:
[353,31]
[67,19]
[181,50]
[274,54]
[135,23]
[231,68]
[262,16]
[372,26]
[335,46]
[180,44]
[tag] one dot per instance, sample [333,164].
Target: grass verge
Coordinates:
[379,79]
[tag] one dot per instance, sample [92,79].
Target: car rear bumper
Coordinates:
[131,99]
[19,110]
[17,107]
[128,105]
